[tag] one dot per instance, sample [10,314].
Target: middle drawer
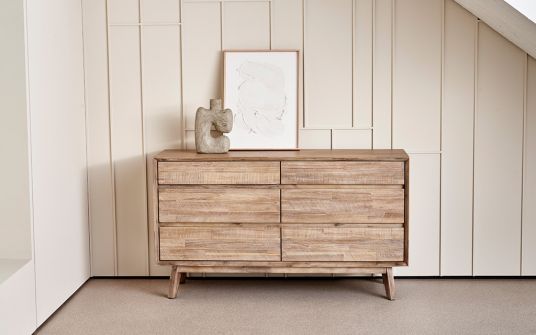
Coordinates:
[218,204]
[342,205]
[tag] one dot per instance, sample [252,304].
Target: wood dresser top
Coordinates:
[298,155]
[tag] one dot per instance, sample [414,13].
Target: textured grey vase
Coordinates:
[207,140]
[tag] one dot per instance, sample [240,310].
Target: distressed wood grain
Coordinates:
[218,173]
[221,242]
[342,244]
[342,172]
[180,204]
[374,205]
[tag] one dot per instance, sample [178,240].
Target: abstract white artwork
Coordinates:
[261,88]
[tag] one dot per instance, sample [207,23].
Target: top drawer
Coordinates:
[342,172]
[183,173]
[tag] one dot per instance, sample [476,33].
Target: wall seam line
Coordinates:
[442,85]
[30,157]
[475,108]
[110,134]
[221,27]
[270,23]
[303,64]
[354,76]
[88,199]
[523,156]
[143,137]
[393,11]
[181,66]
[372,72]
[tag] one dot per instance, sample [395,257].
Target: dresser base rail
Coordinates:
[178,274]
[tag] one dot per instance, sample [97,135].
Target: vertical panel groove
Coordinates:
[183,120]
[221,26]
[475,107]
[353,121]
[112,164]
[84,65]
[523,154]
[143,144]
[441,86]
[303,65]
[393,39]
[373,73]
[270,24]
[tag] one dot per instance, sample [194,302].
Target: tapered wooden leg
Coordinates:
[389,283]
[174,280]
[183,278]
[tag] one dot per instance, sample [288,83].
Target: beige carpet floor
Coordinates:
[298,306]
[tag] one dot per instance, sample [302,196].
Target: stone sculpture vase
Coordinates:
[207,139]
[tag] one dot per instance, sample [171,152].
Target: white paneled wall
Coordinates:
[161,87]
[58,151]
[457,141]
[423,75]
[424,247]
[328,63]
[128,150]
[100,187]
[500,82]
[416,72]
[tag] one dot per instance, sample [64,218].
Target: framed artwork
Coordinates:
[261,88]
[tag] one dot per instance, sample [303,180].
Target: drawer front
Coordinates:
[220,242]
[342,244]
[185,173]
[229,204]
[380,173]
[348,205]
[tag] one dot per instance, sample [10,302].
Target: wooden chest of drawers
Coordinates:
[308,211]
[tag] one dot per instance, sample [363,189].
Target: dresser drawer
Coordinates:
[218,204]
[220,242]
[185,173]
[343,243]
[340,172]
[343,205]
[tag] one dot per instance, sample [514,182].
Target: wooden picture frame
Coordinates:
[261,88]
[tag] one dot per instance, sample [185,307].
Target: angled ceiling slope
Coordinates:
[506,20]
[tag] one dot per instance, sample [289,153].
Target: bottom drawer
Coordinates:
[220,242]
[342,243]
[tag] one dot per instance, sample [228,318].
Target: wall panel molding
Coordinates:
[162,105]
[498,155]
[362,68]
[246,31]
[372,74]
[328,63]
[457,141]
[100,170]
[202,74]
[424,228]
[382,73]
[128,151]
[417,74]
[351,139]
